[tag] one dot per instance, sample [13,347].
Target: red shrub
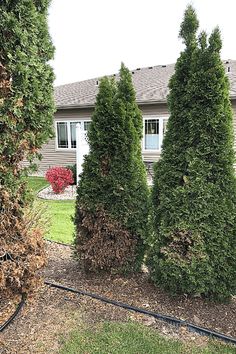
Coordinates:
[59,178]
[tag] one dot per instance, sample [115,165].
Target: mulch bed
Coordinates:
[51,314]
[8,304]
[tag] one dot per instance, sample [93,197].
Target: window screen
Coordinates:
[86,125]
[62,135]
[73,134]
[152,136]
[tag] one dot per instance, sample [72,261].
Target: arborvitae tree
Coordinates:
[112,195]
[194,198]
[171,168]
[26,113]
[175,141]
[210,179]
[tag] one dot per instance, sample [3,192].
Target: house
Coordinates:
[75,103]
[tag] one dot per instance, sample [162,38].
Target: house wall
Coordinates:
[234,124]
[51,156]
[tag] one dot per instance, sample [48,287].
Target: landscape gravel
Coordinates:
[68,194]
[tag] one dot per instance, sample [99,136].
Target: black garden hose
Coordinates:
[58,243]
[169,319]
[13,316]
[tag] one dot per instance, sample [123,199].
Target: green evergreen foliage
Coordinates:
[26,108]
[194,194]
[26,97]
[112,196]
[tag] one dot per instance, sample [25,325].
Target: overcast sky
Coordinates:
[92,37]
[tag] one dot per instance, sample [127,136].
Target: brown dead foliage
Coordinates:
[184,245]
[105,166]
[22,251]
[5,82]
[102,243]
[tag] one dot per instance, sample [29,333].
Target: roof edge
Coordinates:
[138,102]
[93,105]
[76,106]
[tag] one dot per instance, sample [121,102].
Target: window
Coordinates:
[86,125]
[165,120]
[73,134]
[154,130]
[152,136]
[66,133]
[62,135]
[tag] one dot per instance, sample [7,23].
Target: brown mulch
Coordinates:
[8,305]
[51,314]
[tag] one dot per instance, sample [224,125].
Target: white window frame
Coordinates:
[161,135]
[69,148]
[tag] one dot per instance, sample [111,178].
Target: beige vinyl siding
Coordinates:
[155,109]
[234,124]
[162,111]
[62,157]
[51,156]
[54,157]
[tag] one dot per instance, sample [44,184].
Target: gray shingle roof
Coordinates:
[151,85]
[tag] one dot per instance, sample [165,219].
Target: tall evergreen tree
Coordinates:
[175,142]
[112,196]
[211,175]
[26,115]
[171,169]
[194,198]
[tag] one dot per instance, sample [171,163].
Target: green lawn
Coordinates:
[60,213]
[132,338]
[37,183]
[62,227]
